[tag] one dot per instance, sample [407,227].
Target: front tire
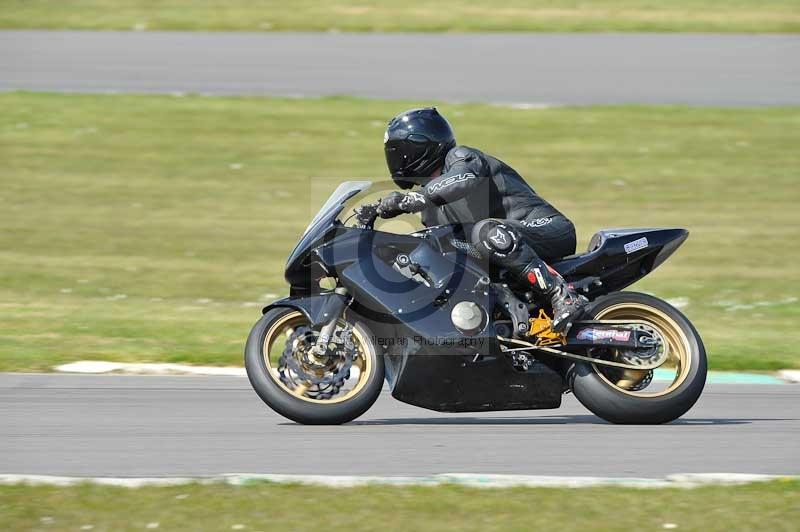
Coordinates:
[615,397]
[295,400]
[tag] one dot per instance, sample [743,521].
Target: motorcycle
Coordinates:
[425,313]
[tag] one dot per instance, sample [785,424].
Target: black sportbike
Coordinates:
[423,312]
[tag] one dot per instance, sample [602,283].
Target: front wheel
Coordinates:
[308,388]
[635,396]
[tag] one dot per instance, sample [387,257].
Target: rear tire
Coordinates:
[303,410]
[616,405]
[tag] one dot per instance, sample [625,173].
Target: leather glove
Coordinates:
[397,203]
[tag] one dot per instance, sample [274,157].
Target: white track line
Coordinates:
[689,480]
[99,366]
[96,367]
[789,375]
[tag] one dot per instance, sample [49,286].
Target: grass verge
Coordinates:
[412,15]
[153,228]
[762,506]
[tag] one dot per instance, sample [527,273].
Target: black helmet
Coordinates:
[416,143]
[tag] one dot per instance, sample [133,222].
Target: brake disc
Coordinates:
[327,377]
[657,354]
[644,383]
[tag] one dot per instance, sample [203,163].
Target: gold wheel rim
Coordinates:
[679,349]
[295,319]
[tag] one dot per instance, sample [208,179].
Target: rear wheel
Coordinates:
[637,396]
[328,389]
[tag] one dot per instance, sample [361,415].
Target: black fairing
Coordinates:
[430,363]
[616,265]
[362,261]
[449,383]
[302,270]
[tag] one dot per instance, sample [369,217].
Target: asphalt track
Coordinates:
[161,426]
[571,69]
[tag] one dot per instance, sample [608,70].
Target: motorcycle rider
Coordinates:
[513,226]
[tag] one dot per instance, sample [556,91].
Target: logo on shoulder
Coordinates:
[450,181]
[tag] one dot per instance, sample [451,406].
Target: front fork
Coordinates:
[327,330]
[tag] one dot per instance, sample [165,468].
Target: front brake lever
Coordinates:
[367,214]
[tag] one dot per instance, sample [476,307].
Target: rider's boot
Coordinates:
[502,245]
[567,304]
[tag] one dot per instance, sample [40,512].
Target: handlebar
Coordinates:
[367,214]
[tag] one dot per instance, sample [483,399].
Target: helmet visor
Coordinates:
[395,159]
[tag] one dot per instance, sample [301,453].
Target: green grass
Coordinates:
[153,228]
[410,15]
[260,506]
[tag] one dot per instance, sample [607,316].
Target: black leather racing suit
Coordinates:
[475,187]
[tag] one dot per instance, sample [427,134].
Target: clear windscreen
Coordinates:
[351,194]
[342,194]
[404,224]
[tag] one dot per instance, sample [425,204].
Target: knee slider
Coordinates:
[494,239]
